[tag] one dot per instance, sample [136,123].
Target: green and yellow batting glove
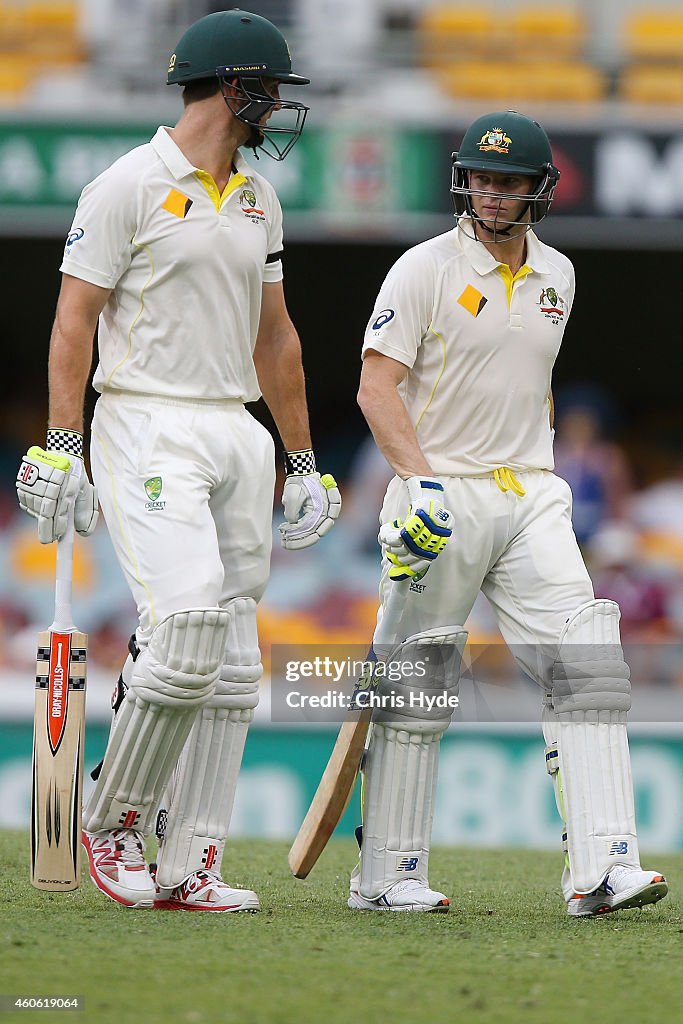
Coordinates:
[411,545]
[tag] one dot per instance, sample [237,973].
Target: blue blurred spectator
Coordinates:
[595,467]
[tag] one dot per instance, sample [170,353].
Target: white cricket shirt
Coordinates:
[186,266]
[480,349]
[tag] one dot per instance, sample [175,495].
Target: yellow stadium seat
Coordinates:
[448,31]
[566,81]
[57,16]
[513,80]
[54,33]
[655,34]
[13,27]
[14,82]
[652,83]
[477,79]
[548,31]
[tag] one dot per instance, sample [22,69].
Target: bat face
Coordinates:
[58,742]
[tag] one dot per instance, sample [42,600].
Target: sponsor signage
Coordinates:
[348,181]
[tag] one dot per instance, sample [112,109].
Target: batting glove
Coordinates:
[412,545]
[48,482]
[312,503]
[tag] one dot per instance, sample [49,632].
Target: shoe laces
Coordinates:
[407,885]
[125,846]
[198,881]
[618,872]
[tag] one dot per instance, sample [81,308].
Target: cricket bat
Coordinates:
[58,737]
[337,783]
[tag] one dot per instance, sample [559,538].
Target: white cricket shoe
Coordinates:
[206,890]
[622,889]
[118,868]
[406,895]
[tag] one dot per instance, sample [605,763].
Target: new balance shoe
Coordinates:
[622,889]
[205,890]
[405,895]
[117,866]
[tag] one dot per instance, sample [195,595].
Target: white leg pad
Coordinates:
[398,806]
[202,792]
[584,725]
[588,757]
[171,679]
[401,762]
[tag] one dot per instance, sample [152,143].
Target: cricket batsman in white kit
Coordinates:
[175,254]
[456,387]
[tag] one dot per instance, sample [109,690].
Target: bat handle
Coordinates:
[65,557]
[387,629]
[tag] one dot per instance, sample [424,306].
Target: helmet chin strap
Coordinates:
[496,231]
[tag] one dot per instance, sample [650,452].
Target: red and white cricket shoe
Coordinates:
[118,868]
[206,890]
[622,889]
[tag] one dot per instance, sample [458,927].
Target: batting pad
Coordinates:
[588,757]
[175,675]
[398,807]
[202,792]
[584,725]
[402,758]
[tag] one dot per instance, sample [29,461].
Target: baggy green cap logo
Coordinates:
[153,487]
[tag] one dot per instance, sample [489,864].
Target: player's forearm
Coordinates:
[281,378]
[388,419]
[70,361]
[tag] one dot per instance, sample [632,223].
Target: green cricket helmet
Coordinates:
[246,48]
[505,143]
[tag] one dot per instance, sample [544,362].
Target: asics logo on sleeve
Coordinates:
[383,318]
[74,236]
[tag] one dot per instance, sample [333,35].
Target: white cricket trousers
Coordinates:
[186,489]
[521,552]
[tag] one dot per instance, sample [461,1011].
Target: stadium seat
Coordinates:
[447,32]
[13,28]
[654,34]
[14,82]
[476,79]
[652,83]
[549,31]
[53,33]
[59,17]
[557,81]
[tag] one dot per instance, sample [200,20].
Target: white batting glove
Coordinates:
[48,482]
[312,503]
[412,545]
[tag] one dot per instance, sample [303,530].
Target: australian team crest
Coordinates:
[250,209]
[495,140]
[552,305]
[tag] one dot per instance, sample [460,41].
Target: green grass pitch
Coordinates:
[506,952]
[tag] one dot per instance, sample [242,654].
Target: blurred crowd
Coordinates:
[628,518]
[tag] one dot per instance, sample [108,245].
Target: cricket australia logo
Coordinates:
[495,140]
[552,305]
[153,488]
[249,204]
